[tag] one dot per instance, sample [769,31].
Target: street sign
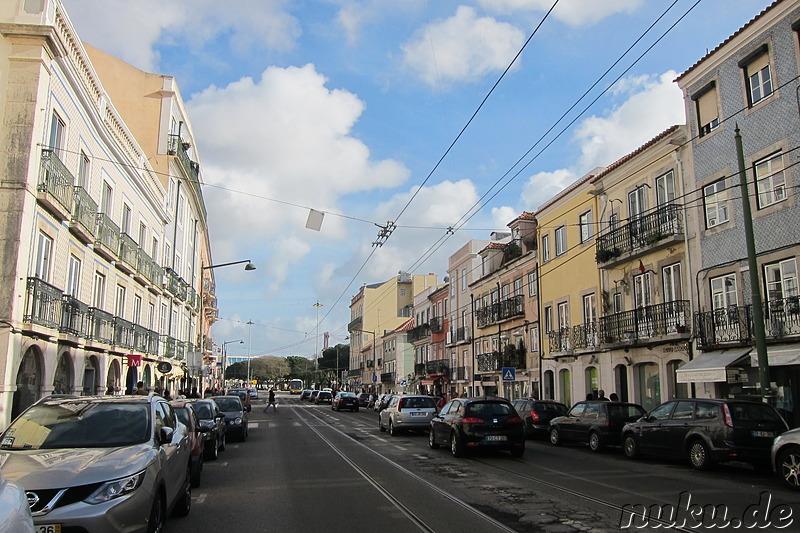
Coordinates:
[509,373]
[374,378]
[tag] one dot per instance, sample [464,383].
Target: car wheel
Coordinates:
[595,444]
[355,409]
[698,455]
[213,452]
[197,472]
[432,440]
[393,431]
[555,437]
[788,468]
[518,451]
[224,440]
[630,447]
[155,524]
[456,445]
[244,434]
[184,503]
[380,424]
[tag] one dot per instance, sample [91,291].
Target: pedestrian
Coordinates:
[601,395]
[167,395]
[246,401]
[441,402]
[194,393]
[589,397]
[613,397]
[140,389]
[271,401]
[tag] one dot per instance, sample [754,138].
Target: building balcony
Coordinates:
[174,283]
[101,327]
[75,317]
[419,369]
[168,346]
[460,373]
[437,366]
[733,325]
[108,237]
[84,216]
[646,324]
[123,333]
[181,349]
[388,377]
[496,361]
[42,304]
[55,190]
[583,337]
[354,373]
[418,333]
[128,254]
[436,324]
[657,228]
[501,311]
[355,324]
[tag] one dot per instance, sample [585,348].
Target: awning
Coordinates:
[427,382]
[778,356]
[710,366]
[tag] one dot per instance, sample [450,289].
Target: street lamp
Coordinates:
[225,356]
[248,266]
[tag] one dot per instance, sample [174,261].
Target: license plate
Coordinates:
[48,528]
[769,434]
[496,437]
[418,414]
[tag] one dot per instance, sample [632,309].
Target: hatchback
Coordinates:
[212,424]
[473,423]
[382,402]
[99,463]
[706,431]
[324,396]
[345,400]
[313,396]
[786,458]
[306,394]
[598,423]
[363,399]
[185,413]
[236,417]
[407,412]
[537,414]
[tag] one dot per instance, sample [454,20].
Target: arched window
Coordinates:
[62,382]
[565,382]
[29,385]
[592,383]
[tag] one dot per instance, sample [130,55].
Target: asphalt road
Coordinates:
[307,468]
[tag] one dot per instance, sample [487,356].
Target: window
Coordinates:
[151,316]
[126,219]
[705,101]
[589,309]
[781,280]
[453,281]
[142,234]
[532,289]
[585,223]
[770,180]
[671,277]
[545,248]
[83,171]
[617,302]
[106,199]
[757,75]
[561,240]
[637,202]
[563,316]
[642,290]
[57,128]
[518,287]
[715,199]
[665,189]
[119,306]
[548,319]
[463,279]
[44,252]
[723,291]
[154,249]
[73,276]
[137,309]
[98,290]
[613,221]
[181,209]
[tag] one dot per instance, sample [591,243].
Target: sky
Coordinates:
[431,114]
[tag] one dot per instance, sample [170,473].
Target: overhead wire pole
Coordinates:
[249,347]
[316,345]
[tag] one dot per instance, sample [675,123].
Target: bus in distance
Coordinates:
[295,386]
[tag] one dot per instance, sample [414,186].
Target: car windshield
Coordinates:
[203,410]
[755,413]
[229,404]
[79,424]
[324,394]
[347,395]
[417,403]
[628,413]
[183,415]
[551,408]
[484,409]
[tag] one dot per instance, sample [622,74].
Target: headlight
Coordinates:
[238,420]
[114,489]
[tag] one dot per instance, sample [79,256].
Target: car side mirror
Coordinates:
[165,435]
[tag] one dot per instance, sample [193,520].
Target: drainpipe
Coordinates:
[472,343]
[688,256]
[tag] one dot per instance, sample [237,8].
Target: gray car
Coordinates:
[786,458]
[407,413]
[100,463]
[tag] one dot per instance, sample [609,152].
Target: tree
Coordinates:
[269,369]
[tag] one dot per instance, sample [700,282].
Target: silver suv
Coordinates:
[100,463]
[407,412]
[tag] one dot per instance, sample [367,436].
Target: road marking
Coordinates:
[252,425]
[200,498]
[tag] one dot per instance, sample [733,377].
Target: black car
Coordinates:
[478,423]
[212,422]
[363,399]
[324,396]
[706,431]
[598,423]
[345,400]
[236,416]
[537,414]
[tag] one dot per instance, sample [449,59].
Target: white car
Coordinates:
[786,458]
[15,513]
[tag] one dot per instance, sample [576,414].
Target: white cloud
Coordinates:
[656,106]
[502,215]
[542,187]
[461,48]
[130,30]
[572,12]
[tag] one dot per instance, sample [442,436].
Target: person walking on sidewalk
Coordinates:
[271,402]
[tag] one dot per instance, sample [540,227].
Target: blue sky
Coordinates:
[347,107]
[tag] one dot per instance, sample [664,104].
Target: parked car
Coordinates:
[382,402]
[15,513]
[345,400]
[313,396]
[238,392]
[212,423]
[306,394]
[236,416]
[324,396]
[598,423]
[100,463]
[785,455]
[184,410]
[363,399]
[706,431]
[537,414]
[406,413]
[478,423]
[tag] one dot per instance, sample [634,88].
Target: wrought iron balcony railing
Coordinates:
[102,326]
[128,250]
[108,233]
[580,337]
[173,281]
[123,333]
[419,369]
[418,333]
[168,346]
[437,366]
[75,317]
[388,377]
[462,334]
[496,361]
[734,324]
[436,324]
[355,324]
[500,311]
[644,323]
[642,233]
[84,214]
[42,304]
[56,180]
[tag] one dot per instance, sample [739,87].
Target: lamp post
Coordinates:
[248,266]
[249,346]
[316,346]
[225,356]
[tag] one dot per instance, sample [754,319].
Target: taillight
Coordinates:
[472,420]
[726,414]
[513,420]
[534,416]
[400,405]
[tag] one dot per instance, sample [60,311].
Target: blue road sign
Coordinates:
[509,373]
